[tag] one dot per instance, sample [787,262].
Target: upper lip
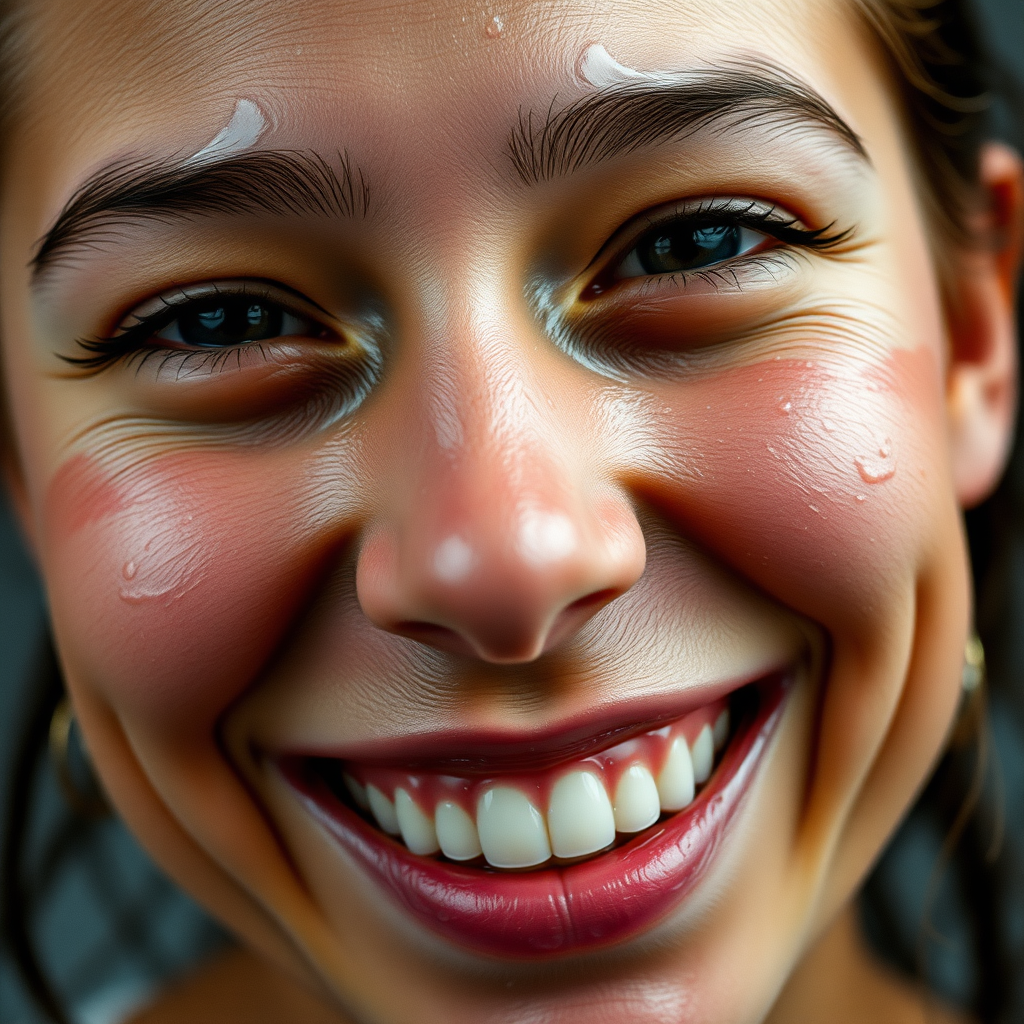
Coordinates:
[489,751]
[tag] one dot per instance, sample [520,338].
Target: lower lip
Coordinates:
[560,910]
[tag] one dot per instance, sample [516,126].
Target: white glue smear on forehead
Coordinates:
[597,67]
[242,132]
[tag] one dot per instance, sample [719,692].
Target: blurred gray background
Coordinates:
[113,929]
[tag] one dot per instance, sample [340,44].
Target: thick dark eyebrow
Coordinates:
[279,183]
[622,119]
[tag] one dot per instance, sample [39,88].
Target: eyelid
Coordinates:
[135,335]
[749,245]
[753,214]
[168,305]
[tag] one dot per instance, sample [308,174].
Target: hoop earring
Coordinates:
[973,674]
[87,803]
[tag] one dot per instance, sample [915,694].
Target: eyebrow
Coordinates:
[279,183]
[622,119]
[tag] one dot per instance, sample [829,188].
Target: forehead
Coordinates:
[108,69]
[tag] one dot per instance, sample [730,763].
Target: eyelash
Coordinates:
[750,214]
[134,343]
[128,344]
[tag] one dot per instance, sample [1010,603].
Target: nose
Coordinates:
[502,546]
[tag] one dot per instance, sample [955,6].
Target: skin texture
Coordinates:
[666,486]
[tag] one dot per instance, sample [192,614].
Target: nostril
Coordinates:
[423,630]
[429,633]
[575,614]
[591,602]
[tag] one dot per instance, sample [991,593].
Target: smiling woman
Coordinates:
[498,480]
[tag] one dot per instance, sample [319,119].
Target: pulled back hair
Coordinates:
[947,85]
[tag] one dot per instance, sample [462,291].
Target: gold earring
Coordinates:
[974,664]
[84,802]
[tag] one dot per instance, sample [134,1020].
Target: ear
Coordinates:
[982,376]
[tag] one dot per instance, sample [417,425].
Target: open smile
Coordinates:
[565,858]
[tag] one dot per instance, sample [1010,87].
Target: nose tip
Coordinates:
[502,588]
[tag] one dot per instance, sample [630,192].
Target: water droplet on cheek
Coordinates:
[876,469]
[128,570]
[786,407]
[495,27]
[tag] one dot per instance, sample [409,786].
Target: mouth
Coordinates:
[515,856]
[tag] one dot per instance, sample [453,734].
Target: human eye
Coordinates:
[201,324]
[704,239]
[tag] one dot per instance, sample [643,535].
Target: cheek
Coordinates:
[824,484]
[172,583]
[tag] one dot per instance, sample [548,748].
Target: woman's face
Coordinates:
[456,411]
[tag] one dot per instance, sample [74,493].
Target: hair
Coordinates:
[946,83]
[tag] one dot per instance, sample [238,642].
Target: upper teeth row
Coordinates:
[580,818]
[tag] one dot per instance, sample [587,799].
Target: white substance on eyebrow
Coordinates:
[600,69]
[242,132]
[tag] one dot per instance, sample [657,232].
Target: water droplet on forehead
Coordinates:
[494,27]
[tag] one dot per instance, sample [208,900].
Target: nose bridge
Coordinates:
[507,539]
[505,490]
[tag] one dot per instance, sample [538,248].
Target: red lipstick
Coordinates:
[568,909]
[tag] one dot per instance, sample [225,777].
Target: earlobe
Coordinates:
[982,377]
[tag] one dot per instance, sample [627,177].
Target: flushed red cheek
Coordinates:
[822,482]
[173,582]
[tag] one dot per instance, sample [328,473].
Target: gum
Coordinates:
[649,749]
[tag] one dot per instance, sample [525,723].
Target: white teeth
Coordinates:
[456,832]
[675,782]
[637,804]
[580,818]
[512,832]
[417,829]
[358,791]
[703,754]
[383,810]
[720,732]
